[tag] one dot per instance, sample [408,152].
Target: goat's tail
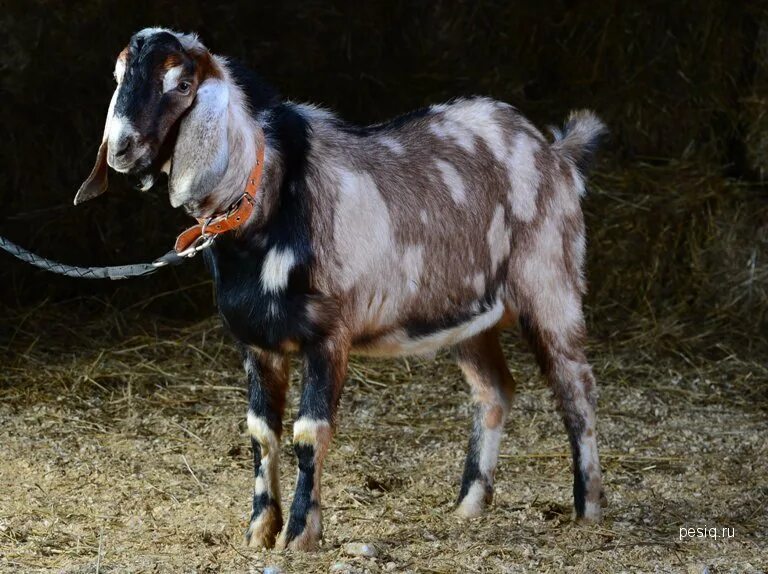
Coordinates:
[579,138]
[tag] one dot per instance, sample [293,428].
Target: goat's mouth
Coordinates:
[135,164]
[153,164]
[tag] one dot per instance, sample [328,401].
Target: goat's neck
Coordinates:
[244,136]
[242,139]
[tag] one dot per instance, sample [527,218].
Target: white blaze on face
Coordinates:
[171,78]
[119,129]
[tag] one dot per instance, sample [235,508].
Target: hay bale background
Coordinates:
[673,243]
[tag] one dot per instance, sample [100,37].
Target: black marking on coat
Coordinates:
[471,464]
[531,333]
[260,94]
[579,479]
[260,503]
[419,328]
[260,400]
[255,317]
[302,499]
[256,447]
[318,396]
[391,125]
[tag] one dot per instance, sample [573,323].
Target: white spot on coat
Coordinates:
[498,239]
[362,228]
[413,264]
[478,116]
[558,306]
[276,269]
[310,431]
[453,181]
[489,450]
[478,282]
[392,145]
[523,177]
[259,429]
[260,487]
[462,136]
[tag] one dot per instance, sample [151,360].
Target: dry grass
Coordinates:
[132,457]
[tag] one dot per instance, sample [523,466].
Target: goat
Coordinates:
[433,230]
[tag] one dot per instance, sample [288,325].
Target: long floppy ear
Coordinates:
[201,154]
[96,183]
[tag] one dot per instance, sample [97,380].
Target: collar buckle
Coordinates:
[202,242]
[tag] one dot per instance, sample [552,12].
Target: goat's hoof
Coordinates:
[593,513]
[474,502]
[264,529]
[593,507]
[307,540]
[467,511]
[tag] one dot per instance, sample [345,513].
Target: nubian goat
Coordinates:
[433,230]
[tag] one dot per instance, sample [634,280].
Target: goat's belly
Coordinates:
[403,342]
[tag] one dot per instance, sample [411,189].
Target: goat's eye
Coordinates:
[184,87]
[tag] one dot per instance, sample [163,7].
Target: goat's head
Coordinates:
[169,109]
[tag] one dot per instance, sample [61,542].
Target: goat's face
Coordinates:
[162,79]
[156,83]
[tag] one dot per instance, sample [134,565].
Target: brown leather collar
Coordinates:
[237,214]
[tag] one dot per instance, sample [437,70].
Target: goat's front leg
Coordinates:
[267,384]
[325,368]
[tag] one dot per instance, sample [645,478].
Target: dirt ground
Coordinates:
[124,450]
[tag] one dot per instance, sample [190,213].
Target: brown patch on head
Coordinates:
[172,61]
[205,67]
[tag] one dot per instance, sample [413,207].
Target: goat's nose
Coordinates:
[122,146]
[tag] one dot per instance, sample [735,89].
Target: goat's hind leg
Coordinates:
[267,385]
[559,351]
[482,361]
